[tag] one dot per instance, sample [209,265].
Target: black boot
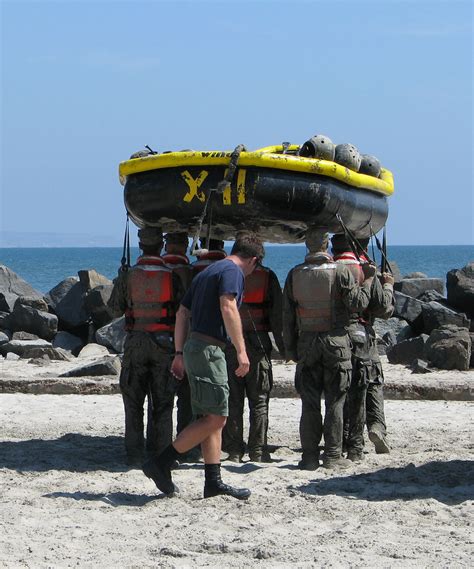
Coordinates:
[215,487]
[158,468]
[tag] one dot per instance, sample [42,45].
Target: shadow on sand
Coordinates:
[72,452]
[113,499]
[450,482]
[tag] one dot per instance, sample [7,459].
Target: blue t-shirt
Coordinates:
[203,297]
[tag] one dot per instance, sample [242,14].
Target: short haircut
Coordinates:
[248,246]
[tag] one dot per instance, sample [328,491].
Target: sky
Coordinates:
[84,84]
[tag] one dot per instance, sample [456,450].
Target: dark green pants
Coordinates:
[145,374]
[256,385]
[326,367]
[375,408]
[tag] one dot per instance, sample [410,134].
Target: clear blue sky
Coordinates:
[86,83]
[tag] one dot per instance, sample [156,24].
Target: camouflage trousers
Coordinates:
[365,397]
[256,385]
[145,375]
[325,360]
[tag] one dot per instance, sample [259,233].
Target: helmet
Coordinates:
[347,155]
[370,165]
[319,146]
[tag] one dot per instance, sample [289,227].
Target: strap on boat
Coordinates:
[125,262]
[221,186]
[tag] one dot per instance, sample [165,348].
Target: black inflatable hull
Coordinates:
[278,204]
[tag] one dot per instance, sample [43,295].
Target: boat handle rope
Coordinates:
[221,186]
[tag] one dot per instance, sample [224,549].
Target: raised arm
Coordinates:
[233,326]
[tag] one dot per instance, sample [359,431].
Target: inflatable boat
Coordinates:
[271,190]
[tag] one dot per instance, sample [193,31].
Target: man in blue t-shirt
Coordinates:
[211,309]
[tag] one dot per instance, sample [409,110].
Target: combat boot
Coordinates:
[336,463]
[214,486]
[158,468]
[380,443]
[265,456]
[355,456]
[309,461]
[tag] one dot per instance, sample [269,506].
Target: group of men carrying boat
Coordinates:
[180,316]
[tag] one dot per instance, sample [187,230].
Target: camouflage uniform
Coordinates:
[257,384]
[145,373]
[314,334]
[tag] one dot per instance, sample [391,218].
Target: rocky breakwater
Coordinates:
[429,330]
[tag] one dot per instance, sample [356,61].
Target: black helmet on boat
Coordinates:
[347,155]
[319,146]
[370,165]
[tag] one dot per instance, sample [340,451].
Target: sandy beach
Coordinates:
[68,499]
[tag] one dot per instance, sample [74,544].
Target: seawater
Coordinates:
[45,268]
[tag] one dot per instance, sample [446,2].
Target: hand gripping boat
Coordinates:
[271,190]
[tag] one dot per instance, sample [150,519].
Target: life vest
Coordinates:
[255,301]
[150,296]
[350,260]
[314,292]
[207,259]
[180,265]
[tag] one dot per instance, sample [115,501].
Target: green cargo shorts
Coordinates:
[207,373]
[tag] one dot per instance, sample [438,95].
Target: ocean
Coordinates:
[44,268]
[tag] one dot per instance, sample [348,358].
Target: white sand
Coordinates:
[67,500]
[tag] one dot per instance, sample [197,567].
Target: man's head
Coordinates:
[150,240]
[317,239]
[340,244]
[176,243]
[214,244]
[249,248]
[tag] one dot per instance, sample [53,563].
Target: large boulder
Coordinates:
[96,305]
[11,287]
[407,351]
[415,287]
[5,337]
[399,328]
[109,365]
[90,279]
[460,288]
[49,352]
[19,347]
[432,295]
[68,342]
[24,336]
[415,275]
[449,347]
[37,303]
[92,351]
[435,315]
[66,300]
[113,335]
[28,319]
[409,309]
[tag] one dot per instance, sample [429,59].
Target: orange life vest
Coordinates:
[314,292]
[150,296]
[207,259]
[180,265]
[255,301]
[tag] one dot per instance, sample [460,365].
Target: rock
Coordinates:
[11,287]
[432,295]
[109,365]
[11,356]
[91,350]
[4,337]
[449,347]
[68,342]
[407,351]
[42,361]
[400,328]
[416,287]
[90,279]
[113,335]
[38,303]
[435,315]
[66,301]
[52,353]
[460,289]
[27,319]
[19,346]
[390,338]
[24,336]
[96,305]
[409,309]
[3,318]
[415,275]
[471,363]
[420,366]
